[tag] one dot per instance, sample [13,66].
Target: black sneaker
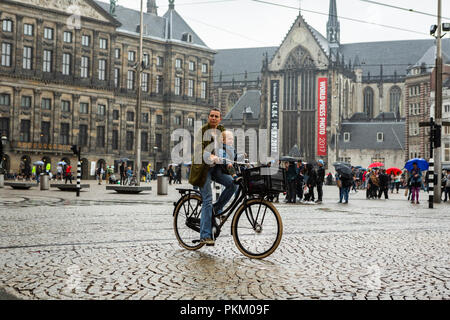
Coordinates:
[207,241]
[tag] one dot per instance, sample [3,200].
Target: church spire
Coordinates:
[151,7]
[333,26]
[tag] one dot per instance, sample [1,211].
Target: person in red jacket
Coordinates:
[68,174]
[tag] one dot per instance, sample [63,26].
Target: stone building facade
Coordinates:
[68,77]
[372,78]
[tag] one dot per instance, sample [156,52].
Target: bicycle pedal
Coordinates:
[195,241]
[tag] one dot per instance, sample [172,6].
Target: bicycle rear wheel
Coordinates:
[257,228]
[186,221]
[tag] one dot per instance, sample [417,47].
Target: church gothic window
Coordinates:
[395,95]
[368,102]
[298,57]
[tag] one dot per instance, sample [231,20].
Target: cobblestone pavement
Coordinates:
[105,245]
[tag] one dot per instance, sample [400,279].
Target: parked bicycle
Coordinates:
[256,227]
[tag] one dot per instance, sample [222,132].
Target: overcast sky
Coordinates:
[245,23]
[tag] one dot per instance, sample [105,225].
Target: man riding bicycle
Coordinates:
[206,168]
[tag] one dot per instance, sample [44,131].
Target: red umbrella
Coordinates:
[395,171]
[376,165]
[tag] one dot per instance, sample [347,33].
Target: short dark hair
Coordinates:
[215,109]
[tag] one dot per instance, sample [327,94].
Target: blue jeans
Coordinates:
[343,193]
[214,174]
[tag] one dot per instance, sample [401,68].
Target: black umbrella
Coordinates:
[343,168]
[446,167]
[288,158]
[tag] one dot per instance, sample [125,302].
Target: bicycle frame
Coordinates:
[240,199]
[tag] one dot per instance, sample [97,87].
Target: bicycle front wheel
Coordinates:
[186,222]
[257,228]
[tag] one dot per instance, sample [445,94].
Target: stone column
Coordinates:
[17,58]
[92,127]
[36,117]
[39,49]
[56,119]
[75,126]
[14,116]
[108,125]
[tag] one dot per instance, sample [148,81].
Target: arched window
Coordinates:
[395,95]
[368,101]
[346,101]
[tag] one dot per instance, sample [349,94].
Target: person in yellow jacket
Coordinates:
[48,167]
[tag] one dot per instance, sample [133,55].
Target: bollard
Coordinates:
[431,184]
[78,178]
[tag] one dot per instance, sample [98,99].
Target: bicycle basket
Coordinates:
[265,180]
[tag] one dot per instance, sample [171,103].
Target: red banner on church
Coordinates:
[322,117]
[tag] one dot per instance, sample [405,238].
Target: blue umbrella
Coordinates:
[422,164]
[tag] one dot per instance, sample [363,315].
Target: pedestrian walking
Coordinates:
[100,172]
[178,174]
[416,183]
[59,172]
[171,174]
[320,180]
[48,168]
[68,174]
[123,174]
[129,176]
[447,186]
[383,179]
[38,172]
[344,182]
[291,177]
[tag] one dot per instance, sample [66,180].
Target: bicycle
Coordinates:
[256,227]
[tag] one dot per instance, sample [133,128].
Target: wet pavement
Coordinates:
[105,245]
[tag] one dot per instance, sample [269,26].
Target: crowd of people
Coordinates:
[303,180]
[33,172]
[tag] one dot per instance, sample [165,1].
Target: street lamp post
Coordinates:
[2,170]
[138,103]
[4,141]
[155,151]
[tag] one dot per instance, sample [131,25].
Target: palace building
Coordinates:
[68,77]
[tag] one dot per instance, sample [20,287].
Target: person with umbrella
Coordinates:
[395,178]
[344,182]
[415,182]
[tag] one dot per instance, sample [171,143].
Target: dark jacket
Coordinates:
[291,173]
[383,178]
[312,176]
[346,181]
[320,175]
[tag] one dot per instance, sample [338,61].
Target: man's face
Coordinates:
[214,118]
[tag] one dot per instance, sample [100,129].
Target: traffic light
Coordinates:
[74,149]
[437,136]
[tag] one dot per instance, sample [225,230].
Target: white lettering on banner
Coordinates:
[274,116]
[322,118]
